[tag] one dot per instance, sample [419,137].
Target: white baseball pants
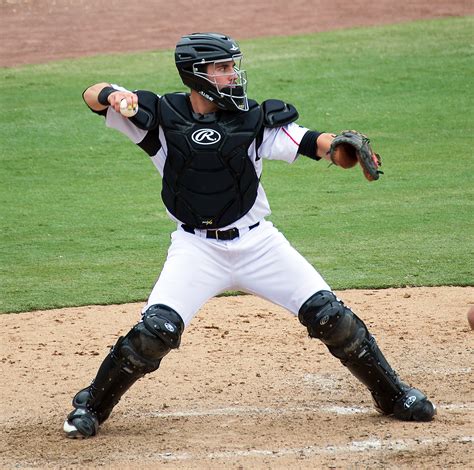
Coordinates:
[261,262]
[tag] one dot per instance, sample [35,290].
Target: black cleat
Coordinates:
[412,405]
[81,424]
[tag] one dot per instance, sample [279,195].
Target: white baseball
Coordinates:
[127,110]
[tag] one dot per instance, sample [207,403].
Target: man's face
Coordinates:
[227,78]
[223,74]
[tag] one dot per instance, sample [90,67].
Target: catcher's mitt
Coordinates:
[352,147]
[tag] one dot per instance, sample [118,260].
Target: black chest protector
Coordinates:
[209,180]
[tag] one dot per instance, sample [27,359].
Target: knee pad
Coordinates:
[142,349]
[164,323]
[329,320]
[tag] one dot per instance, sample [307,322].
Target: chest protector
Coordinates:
[209,180]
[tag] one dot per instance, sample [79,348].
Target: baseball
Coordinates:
[470,317]
[126,109]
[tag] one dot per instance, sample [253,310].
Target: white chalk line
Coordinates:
[375,445]
[329,380]
[252,410]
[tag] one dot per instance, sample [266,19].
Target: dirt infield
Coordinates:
[247,389]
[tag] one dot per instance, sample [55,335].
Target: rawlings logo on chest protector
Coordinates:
[206,136]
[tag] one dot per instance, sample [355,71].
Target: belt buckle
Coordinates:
[212,234]
[224,235]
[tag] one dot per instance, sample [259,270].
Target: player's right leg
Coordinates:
[139,352]
[194,272]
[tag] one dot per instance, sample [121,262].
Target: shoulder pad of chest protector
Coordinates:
[277,113]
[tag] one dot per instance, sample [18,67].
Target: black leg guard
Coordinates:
[348,339]
[138,353]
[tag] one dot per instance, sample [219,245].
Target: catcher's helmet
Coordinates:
[193,53]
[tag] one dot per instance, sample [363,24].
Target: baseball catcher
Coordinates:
[209,145]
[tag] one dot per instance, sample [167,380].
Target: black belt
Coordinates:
[219,234]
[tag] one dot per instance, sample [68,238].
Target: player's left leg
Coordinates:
[347,338]
[274,270]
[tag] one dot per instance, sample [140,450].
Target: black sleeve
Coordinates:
[151,142]
[308,145]
[148,116]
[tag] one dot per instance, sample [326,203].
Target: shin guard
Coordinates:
[348,339]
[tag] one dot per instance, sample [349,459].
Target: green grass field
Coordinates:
[82,221]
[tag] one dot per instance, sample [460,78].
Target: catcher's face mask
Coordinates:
[227,78]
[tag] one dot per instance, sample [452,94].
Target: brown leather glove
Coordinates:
[351,147]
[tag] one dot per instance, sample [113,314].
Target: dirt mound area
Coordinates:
[247,388]
[34,31]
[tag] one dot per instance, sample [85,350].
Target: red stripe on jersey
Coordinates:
[286,132]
